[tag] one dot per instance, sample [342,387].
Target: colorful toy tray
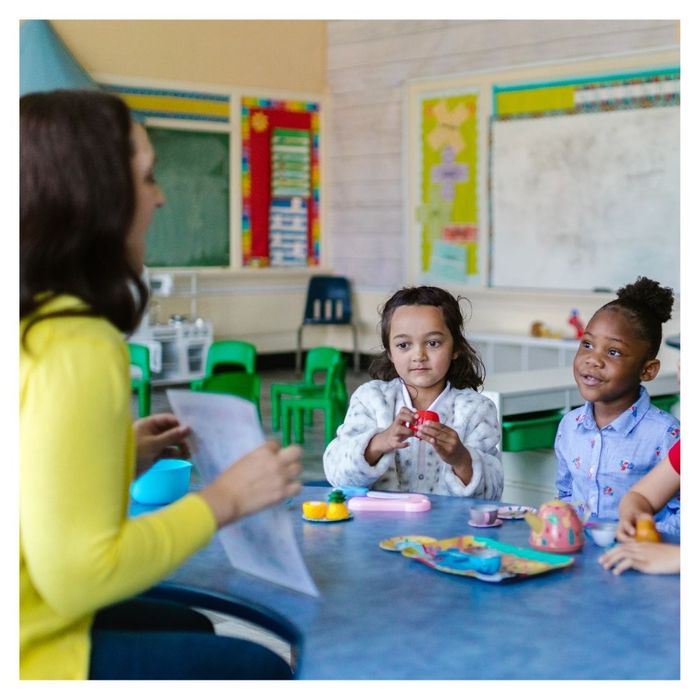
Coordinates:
[516,562]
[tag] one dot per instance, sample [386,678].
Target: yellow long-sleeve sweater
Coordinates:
[79,551]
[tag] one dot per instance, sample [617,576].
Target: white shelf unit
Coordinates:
[183,350]
[519,353]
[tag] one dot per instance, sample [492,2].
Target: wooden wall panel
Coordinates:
[369,65]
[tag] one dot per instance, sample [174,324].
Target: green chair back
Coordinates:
[225,354]
[318,362]
[332,400]
[228,356]
[140,357]
[246,385]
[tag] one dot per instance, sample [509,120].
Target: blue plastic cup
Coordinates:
[165,482]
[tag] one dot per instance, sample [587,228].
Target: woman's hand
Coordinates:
[449,447]
[647,557]
[393,438]
[265,476]
[157,436]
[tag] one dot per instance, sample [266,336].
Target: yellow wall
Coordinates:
[280,54]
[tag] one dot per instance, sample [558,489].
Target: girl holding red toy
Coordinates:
[427,365]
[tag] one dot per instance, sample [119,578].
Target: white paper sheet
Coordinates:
[224,428]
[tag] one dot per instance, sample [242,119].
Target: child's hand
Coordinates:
[647,557]
[626,527]
[449,447]
[393,438]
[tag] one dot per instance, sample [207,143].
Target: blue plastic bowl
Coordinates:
[165,482]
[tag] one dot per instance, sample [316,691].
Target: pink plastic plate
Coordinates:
[389,501]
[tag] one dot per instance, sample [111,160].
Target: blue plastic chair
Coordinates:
[140,357]
[328,302]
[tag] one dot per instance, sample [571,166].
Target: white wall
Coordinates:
[369,64]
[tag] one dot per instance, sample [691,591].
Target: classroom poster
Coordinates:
[448,209]
[280,183]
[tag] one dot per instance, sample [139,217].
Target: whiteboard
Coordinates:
[586,201]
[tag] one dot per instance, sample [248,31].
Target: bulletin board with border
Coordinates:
[450,240]
[240,172]
[447,212]
[280,182]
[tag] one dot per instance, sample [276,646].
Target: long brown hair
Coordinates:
[466,370]
[77,204]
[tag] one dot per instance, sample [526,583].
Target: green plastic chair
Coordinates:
[333,401]
[316,366]
[140,357]
[226,356]
[243,384]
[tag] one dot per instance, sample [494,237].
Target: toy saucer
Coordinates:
[514,512]
[393,544]
[326,520]
[498,523]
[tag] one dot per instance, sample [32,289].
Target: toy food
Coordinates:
[555,528]
[421,417]
[646,531]
[315,510]
[337,507]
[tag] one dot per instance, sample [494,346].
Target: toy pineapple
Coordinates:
[337,507]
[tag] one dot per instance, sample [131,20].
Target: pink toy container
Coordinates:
[555,528]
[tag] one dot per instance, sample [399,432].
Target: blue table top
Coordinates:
[384,616]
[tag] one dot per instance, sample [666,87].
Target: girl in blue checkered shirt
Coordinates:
[617,436]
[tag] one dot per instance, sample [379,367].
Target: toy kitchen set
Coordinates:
[178,348]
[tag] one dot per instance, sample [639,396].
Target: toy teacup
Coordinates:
[483,514]
[422,417]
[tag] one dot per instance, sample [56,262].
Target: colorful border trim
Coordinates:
[248,103]
[173,104]
[587,94]
[602,93]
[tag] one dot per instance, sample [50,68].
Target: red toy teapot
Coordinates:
[555,528]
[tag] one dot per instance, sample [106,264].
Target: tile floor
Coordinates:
[313,470]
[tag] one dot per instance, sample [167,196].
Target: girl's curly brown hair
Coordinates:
[466,370]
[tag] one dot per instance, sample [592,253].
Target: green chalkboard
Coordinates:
[192,229]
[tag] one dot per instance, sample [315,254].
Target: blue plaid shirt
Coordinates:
[597,466]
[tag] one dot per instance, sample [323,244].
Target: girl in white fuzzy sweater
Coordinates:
[427,364]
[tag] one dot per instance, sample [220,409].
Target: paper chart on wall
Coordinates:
[224,428]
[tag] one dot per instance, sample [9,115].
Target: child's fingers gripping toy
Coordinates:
[422,417]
